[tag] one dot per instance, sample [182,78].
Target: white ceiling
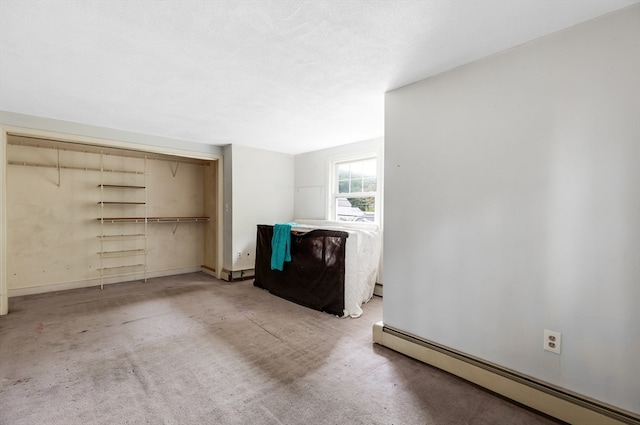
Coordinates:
[288,76]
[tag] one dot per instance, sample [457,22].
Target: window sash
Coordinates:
[355,179]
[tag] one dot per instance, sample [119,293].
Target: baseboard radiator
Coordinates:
[546,398]
[237,275]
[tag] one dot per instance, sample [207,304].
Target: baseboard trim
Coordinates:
[544,397]
[63,286]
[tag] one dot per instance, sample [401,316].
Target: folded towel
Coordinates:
[281,245]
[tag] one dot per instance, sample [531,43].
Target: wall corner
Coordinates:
[4,293]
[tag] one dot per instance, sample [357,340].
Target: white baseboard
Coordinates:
[546,398]
[63,286]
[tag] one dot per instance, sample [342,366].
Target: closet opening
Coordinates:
[81,214]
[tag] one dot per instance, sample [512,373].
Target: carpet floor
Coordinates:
[191,349]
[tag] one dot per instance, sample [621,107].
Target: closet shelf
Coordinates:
[122,270]
[69,167]
[109,253]
[122,253]
[153,219]
[120,203]
[123,237]
[177,219]
[120,186]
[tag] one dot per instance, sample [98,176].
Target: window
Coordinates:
[355,190]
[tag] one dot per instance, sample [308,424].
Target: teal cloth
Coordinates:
[281,245]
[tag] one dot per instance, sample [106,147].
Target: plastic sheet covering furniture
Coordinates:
[333,266]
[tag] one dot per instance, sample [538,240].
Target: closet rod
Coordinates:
[68,167]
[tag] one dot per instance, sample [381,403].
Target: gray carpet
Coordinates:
[191,349]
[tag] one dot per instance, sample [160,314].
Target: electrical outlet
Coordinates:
[239,255]
[552,341]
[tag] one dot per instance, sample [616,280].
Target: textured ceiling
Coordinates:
[288,76]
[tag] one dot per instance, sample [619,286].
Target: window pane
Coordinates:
[356,209]
[369,184]
[356,170]
[343,186]
[343,171]
[356,186]
[369,168]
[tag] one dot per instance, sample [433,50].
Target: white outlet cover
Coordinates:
[552,341]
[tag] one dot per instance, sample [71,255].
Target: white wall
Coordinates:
[261,193]
[312,176]
[512,205]
[4,290]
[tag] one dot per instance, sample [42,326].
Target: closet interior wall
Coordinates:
[63,198]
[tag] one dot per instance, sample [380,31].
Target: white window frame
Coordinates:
[333,184]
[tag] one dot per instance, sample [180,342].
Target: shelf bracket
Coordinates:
[175,227]
[174,171]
